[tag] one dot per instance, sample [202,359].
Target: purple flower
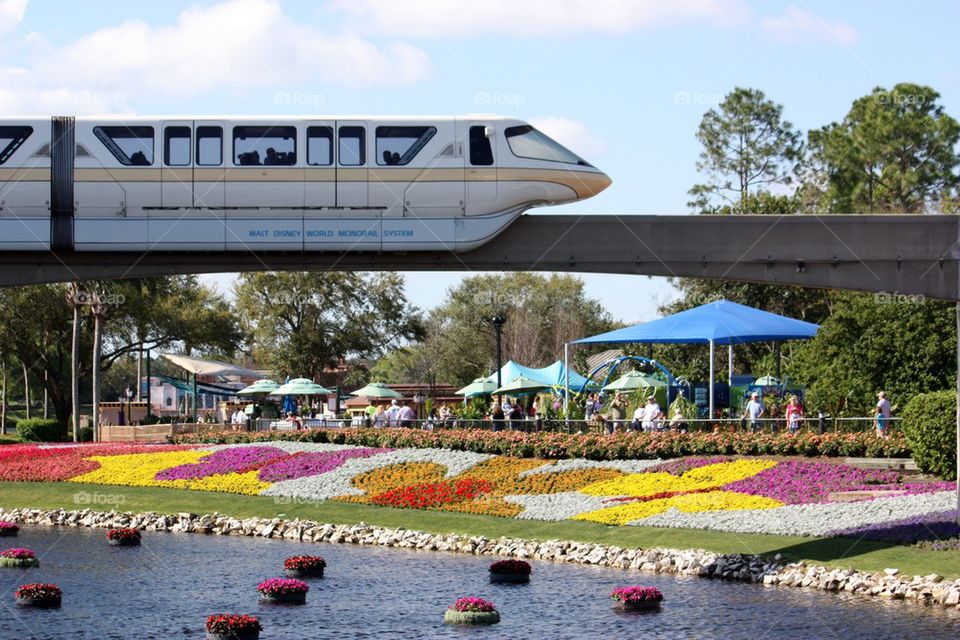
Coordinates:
[797,482]
[929,526]
[311,464]
[682,465]
[232,460]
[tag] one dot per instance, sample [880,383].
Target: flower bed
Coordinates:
[303,464]
[750,495]
[433,494]
[304,567]
[8,529]
[283,590]
[232,460]
[124,537]
[39,594]
[628,445]
[230,626]
[472,611]
[18,558]
[636,598]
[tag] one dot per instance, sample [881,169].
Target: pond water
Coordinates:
[167,587]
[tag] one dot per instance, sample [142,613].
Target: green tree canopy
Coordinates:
[747,147]
[304,323]
[894,152]
[904,345]
[541,312]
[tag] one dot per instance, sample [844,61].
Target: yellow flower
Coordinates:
[556,482]
[651,484]
[245,483]
[485,506]
[137,469]
[688,503]
[503,469]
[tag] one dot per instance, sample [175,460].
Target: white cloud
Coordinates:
[571,134]
[445,18]
[796,26]
[227,48]
[11,13]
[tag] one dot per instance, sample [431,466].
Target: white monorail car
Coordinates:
[279,184]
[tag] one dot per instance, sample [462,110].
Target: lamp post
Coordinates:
[129,394]
[498,328]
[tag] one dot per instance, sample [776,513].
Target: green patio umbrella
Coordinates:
[300,387]
[258,387]
[634,380]
[521,385]
[376,390]
[479,387]
[767,381]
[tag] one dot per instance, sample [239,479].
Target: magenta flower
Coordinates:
[636,594]
[233,460]
[282,586]
[474,605]
[301,465]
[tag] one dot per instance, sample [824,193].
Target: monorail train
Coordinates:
[279,184]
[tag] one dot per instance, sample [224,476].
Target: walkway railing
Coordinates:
[825,424]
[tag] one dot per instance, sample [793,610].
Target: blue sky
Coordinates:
[622,83]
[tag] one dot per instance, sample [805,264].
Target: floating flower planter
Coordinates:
[18,558]
[283,591]
[472,611]
[636,598]
[510,571]
[8,529]
[39,595]
[230,626]
[123,537]
[304,567]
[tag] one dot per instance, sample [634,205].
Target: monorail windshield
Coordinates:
[526,142]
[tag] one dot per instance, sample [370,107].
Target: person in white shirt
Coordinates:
[651,415]
[241,419]
[754,412]
[392,413]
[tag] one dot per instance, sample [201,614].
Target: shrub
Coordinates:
[929,422]
[41,430]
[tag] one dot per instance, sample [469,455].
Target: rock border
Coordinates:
[931,589]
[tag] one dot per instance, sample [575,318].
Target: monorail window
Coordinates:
[481,153]
[399,145]
[131,146]
[264,145]
[11,137]
[176,146]
[209,146]
[319,146]
[352,142]
[527,142]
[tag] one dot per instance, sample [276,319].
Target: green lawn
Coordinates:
[839,552]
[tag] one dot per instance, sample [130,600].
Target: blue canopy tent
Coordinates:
[555,375]
[721,322]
